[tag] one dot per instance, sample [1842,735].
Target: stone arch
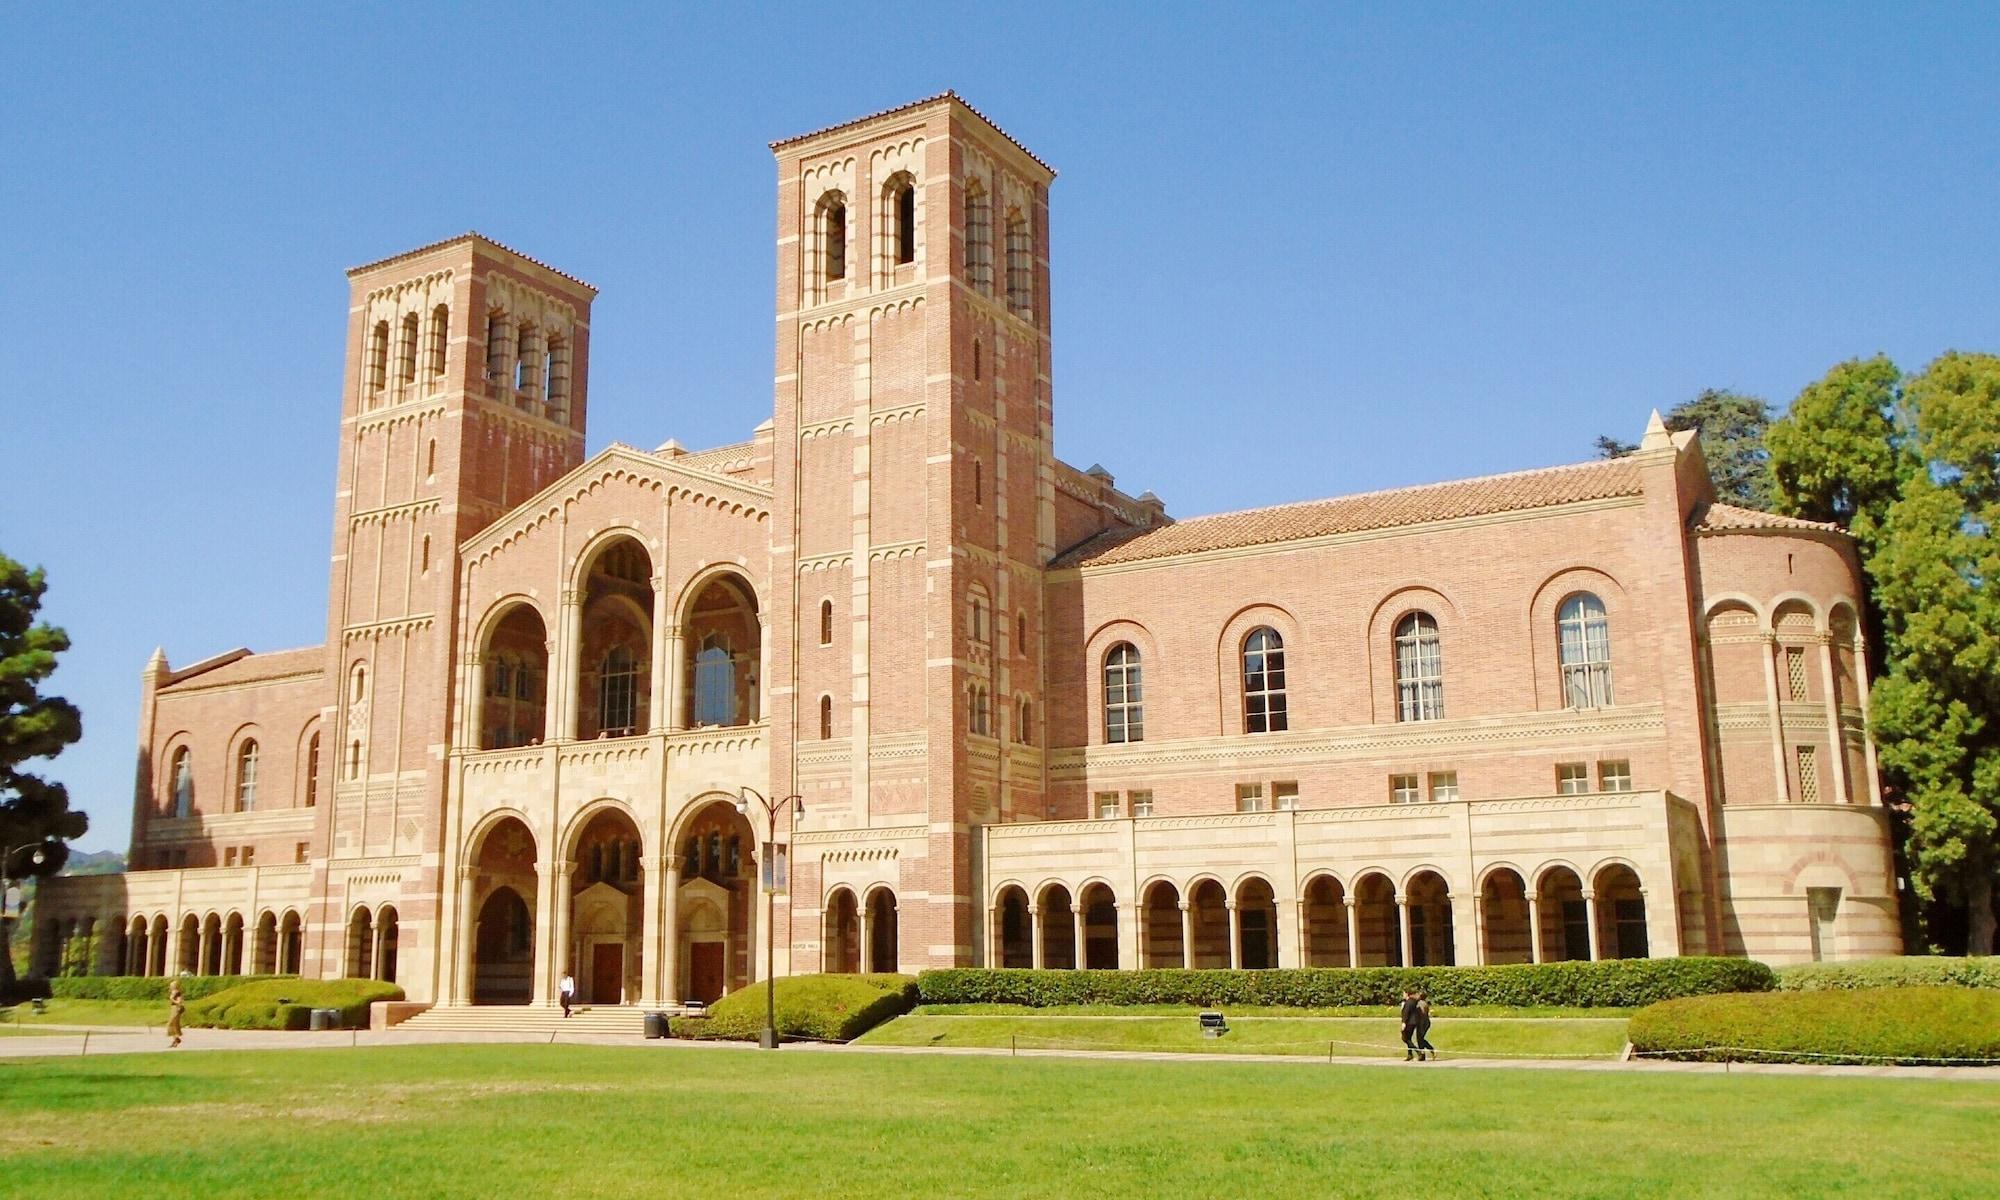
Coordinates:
[1014,939]
[720,616]
[716,847]
[1256,922]
[1208,910]
[388,942]
[503,853]
[883,936]
[1229,660]
[1098,902]
[1323,921]
[615,581]
[1427,901]
[359,961]
[1383,620]
[1058,924]
[291,942]
[232,944]
[138,950]
[1543,635]
[1564,913]
[1506,935]
[1621,910]
[159,945]
[840,937]
[600,909]
[1160,943]
[1379,936]
[264,961]
[511,707]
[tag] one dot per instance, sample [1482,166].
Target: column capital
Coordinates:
[1589,894]
[569,598]
[1034,910]
[1349,902]
[1402,900]
[1185,906]
[1230,904]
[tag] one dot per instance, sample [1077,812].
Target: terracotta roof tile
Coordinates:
[1370,510]
[890,112]
[426,249]
[1722,517]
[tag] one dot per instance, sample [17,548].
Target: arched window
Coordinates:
[312,770]
[1583,635]
[1021,633]
[1024,722]
[826,622]
[1264,682]
[978,482]
[440,337]
[558,379]
[714,683]
[1124,695]
[246,776]
[378,357]
[406,350]
[618,692]
[183,782]
[1020,266]
[357,686]
[978,237]
[528,361]
[833,236]
[499,345]
[825,717]
[981,714]
[354,759]
[899,211]
[1419,669]
[976,618]
[978,356]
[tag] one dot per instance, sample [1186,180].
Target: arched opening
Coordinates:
[1565,917]
[406,350]
[826,622]
[978,237]
[137,948]
[291,940]
[604,949]
[514,674]
[717,902]
[265,960]
[882,933]
[210,960]
[1381,938]
[182,775]
[1429,900]
[724,641]
[615,647]
[1020,266]
[1324,914]
[232,945]
[502,930]
[1160,943]
[378,357]
[831,215]
[1016,933]
[1621,913]
[1264,686]
[1208,908]
[900,213]
[246,776]
[841,939]
[1058,929]
[388,942]
[157,947]
[1257,925]
[1419,669]
[1583,651]
[440,337]
[1503,907]
[360,945]
[1100,928]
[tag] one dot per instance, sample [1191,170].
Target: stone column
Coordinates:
[560,925]
[1035,925]
[545,907]
[656,679]
[569,655]
[203,944]
[1353,907]
[1076,916]
[1534,928]
[1235,936]
[1590,916]
[676,711]
[468,935]
[995,953]
[1868,728]
[1771,714]
[1467,946]
[1131,934]
[866,955]
[1403,925]
[1187,935]
[469,732]
[375,956]
[1292,950]
[1836,743]
[649,937]
[670,949]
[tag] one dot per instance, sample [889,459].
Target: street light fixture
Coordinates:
[772,882]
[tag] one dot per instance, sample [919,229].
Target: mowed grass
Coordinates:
[665,1121]
[1343,1037]
[88,1012]
[1255,1010]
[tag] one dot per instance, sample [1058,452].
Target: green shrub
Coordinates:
[826,1008]
[287,1003]
[1908,1025]
[145,987]
[1891,972]
[1625,983]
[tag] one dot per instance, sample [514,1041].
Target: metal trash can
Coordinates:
[656,1024]
[325,1018]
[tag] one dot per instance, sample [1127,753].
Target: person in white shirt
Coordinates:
[567,990]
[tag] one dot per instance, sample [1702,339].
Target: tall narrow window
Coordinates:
[425,565]
[1024,723]
[1264,682]
[1584,650]
[312,770]
[901,211]
[618,692]
[978,482]
[1795,674]
[825,717]
[977,618]
[978,237]
[1419,669]
[183,777]
[981,714]
[246,776]
[354,759]
[528,361]
[1124,695]
[1020,266]
[431,458]
[558,378]
[826,622]
[714,682]
[499,345]
[1021,633]
[357,685]
[833,235]
[1809,774]
[406,350]
[378,357]
[440,337]
[977,355]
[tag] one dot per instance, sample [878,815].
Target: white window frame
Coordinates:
[1419,668]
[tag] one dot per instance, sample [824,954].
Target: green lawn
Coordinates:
[1343,1036]
[1255,1010]
[89,1012]
[657,1121]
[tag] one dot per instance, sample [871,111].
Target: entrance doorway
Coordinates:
[705,971]
[607,973]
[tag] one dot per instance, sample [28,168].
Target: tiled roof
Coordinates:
[900,108]
[249,668]
[713,459]
[1720,517]
[426,249]
[1371,510]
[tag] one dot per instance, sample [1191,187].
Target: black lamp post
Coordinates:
[793,805]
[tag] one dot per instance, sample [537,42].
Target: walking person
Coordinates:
[1411,1012]
[1423,1027]
[567,991]
[176,1005]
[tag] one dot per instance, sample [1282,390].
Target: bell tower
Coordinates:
[913,480]
[464,394]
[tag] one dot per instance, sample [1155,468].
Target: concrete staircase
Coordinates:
[615,1019]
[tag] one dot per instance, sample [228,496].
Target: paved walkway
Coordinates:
[129,1040]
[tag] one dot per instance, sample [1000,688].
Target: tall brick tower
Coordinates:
[913,481]
[464,394]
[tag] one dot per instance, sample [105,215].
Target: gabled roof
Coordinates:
[1723,518]
[947,94]
[1396,507]
[630,457]
[241,666]
[469,236]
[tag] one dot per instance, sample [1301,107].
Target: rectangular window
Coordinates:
[249,858]
[1614,776]
[1107,805]
[1250,797]
[299,851]
[1809,774]
[229,856]
[1572,779]
[1142,803]
[1285,795]
[1795,673]
[1403,789]
[1444,785]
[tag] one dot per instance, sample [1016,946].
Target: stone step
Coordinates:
[537,1019]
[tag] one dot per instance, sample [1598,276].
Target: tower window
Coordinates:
[246,777]
[977,365]
[833,235]
[425,565]
[558,378]
[826,622]
[528,362]
[431,458]
[312,770]
[978,237]
[499,337]
[406,350]
[825,717]
[440,330]
[354,759]
[378,357]
[903,211]
[1020,266]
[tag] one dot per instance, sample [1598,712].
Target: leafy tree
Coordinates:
[1838,454]
[35,817]
[1732,429]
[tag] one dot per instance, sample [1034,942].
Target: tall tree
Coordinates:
[35,817]
[1732,429]
[1838,454]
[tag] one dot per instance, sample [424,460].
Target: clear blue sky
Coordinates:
[1296,254]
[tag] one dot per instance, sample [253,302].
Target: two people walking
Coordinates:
[1417,1026]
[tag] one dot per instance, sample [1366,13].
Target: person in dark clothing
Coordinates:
[1412,1012]
[1423,1028]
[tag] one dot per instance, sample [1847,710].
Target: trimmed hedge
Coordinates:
[287,1003]
[1623,983]
[1905,1025]
[1891,972]
[826,1008]
[145,987]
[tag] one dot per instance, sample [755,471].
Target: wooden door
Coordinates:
[705,971]
[607,973]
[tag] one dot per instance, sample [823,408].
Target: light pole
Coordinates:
[768,864]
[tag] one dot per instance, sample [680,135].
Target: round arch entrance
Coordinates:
[603,936]
[502,932]
[714,914]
